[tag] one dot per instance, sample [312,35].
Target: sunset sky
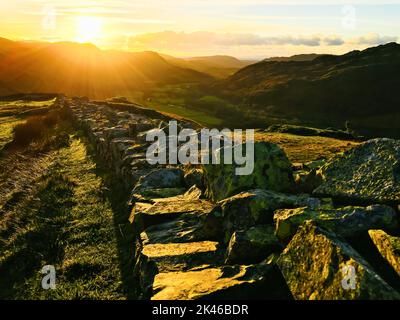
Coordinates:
[242,28]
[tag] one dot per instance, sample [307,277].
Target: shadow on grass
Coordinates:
[118,197]
[44,242]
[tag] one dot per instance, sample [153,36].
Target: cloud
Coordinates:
[333,41]
[373,39]
[168,39]
[202,38]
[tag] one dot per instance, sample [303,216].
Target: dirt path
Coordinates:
[55,210]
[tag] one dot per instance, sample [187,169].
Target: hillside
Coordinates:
[83,69]
[329,90]
[297,57]
[216,66]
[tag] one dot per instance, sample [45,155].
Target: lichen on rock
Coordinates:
[317,265]
[368,173]
[272,171]
[346,221]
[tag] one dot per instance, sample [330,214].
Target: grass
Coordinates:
[19,107]
[68,220]
[14,113]
[170,99]
[303,149]
[7,125]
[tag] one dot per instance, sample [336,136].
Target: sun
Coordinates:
[88,29]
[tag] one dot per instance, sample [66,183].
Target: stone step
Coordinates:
[169,257]
[145,215]
[261,281]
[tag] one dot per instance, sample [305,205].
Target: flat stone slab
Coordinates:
[186,228]
[145,215]
[169,257]
[228,282]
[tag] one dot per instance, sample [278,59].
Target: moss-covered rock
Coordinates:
[346,222]
[388,246]
[272,171]
[162,178]
[369,173]
[256,207]
[252,246]
[317,265]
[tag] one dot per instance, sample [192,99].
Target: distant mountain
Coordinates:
[298,57]
[216,66]
[83,69]
[360,86]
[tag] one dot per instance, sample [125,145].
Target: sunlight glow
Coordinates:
[88,29]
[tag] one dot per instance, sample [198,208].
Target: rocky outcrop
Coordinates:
[317,265]
[368,173]
[346,222]
[272,171]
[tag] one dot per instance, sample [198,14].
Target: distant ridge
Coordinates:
[84,70]
[219,66]
[297,57]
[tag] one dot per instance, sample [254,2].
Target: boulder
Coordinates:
[368,173]
[346,221]
[162,178]
[255,207]
[388,246]
[317,265]
[272,171]
[252,246]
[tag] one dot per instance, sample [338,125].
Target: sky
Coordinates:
[248,29]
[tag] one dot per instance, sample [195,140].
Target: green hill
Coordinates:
[360,87]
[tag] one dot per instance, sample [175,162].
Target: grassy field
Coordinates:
[303,149]
[66,217]
[170,100]
[13,113]
[7,125]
